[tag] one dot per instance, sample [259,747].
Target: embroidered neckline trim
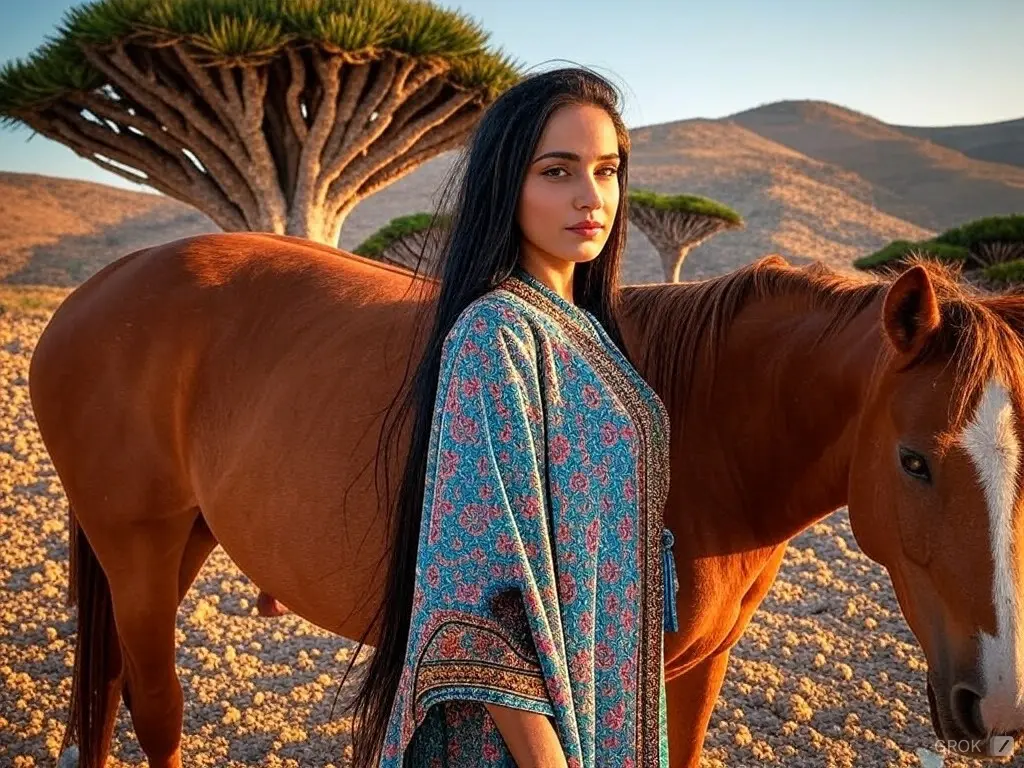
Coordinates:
[574,311]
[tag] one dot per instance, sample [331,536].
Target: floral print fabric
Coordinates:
[538,577]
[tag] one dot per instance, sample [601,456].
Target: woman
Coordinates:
[522,620]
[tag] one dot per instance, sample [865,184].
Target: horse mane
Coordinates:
[680,327]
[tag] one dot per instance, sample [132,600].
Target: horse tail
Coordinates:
[74,530]
[96,680]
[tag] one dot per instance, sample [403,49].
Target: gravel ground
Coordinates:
[826,675]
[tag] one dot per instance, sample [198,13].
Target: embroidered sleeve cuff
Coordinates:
[472,658]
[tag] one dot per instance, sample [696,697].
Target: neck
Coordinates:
[762,449]
[788,414]
[556,274]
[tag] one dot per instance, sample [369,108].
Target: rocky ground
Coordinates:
[827,674]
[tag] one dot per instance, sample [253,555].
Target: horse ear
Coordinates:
[910,313]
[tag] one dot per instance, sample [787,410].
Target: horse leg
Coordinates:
[155,566]
[197,549]
[691,699]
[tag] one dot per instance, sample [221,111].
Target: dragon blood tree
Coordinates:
[266,115]
[675,224]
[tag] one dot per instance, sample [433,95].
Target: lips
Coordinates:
[586,228]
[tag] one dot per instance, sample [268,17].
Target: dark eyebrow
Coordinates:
[574,156]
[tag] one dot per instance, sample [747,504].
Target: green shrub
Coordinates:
[991,229]
[396,229]
[898,250]
[1005,273]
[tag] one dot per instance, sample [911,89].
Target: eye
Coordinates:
[613,171]
[552,171]
[914,464]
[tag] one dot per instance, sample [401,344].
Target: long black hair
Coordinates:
[479,248]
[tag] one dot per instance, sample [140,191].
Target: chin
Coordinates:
[583,255]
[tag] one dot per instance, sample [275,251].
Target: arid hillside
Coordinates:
[925,183]
[58,231]
[813,181]
[1001,142]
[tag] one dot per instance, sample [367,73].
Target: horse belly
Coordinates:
[296,509]
[311,562]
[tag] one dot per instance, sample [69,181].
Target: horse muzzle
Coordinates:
[956,716]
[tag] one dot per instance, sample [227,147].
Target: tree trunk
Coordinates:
[311,224]
[332,228]
[672,261]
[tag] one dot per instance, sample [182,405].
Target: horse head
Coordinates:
[935,494]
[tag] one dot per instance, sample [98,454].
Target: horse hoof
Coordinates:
[269,606]
[68,758]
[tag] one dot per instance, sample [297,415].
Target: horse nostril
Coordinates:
[967,710]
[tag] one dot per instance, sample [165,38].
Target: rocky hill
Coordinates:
[814,181]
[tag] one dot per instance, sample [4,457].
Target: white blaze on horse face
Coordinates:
[992,443]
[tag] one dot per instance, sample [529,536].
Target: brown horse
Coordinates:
[229,388]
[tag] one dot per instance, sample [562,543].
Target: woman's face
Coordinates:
[571,192]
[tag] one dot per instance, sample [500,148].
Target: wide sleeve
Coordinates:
[485,622]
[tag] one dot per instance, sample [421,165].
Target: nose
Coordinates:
[589,197]
[969,710]
[965,704]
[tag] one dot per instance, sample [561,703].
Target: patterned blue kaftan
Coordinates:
[539,577]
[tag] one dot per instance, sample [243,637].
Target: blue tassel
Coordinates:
[671,581]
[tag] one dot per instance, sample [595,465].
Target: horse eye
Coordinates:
[914,464]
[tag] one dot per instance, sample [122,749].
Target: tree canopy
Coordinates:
[268,115]
[990,240]
[687,204]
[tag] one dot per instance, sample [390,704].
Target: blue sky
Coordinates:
[916,62]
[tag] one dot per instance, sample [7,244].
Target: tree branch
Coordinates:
[388,79]
[143,87]
[98,149]
[387,94]
[182,182]
[415,104]
[243,112]
[432,144]
[270,195]
[218,171]
[120,119]
[212,95]
[355,77]
[258,172]
[311,158]
[295,88]
[228,86]
[134,151]
[178,116]
[357,171]
[284,147]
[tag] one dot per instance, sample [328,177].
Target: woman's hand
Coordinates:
[530,736]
